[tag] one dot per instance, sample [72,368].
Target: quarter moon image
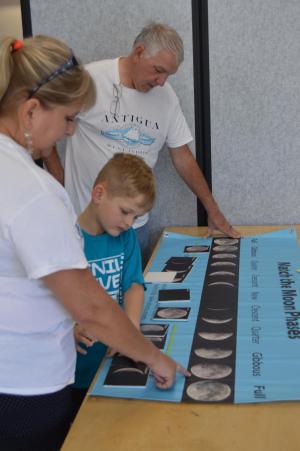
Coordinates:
[224,256]
[225,248]
[208,391]
[215,336]
[216,320]
[222,264]
[171,313]
[226,284]
[214,353]
[226,241]
[222,273]
[211,370]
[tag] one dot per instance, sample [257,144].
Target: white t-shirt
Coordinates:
[37,237]
[141,125]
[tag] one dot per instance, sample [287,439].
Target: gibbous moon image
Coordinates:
[215,336]
[208,391]
[224,256]
[226,241]
[226,284]
[216,320]
[211,370]
[171,313]
[222,264]
[215,353]
[225,248]
[222,273]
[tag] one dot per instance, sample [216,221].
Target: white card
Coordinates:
[160,277]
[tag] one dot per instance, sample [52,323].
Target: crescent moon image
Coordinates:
[224,256]
[225,248]
[216,320]
[215,353]
[215,336]
[128,370]
[228,241]
[211,370]
[171,313]
[222,273]
[219,264]
[208,391]
[226,284]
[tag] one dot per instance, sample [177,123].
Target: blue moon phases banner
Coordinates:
[231,315]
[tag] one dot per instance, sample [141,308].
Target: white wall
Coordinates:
[10,19]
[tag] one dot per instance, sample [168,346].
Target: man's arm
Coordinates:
[189,171]
[103,319]
[134,303]
[54,166]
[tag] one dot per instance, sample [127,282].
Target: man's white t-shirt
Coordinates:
[37,237]
[122,120]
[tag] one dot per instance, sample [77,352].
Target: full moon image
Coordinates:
[153,327]
[214,353]
[215,336]
[226,241]
[172,313]
[224,256]
[208,391]
[211,370]
[225,248]
[222,264]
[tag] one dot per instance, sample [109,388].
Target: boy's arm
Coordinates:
[134,303]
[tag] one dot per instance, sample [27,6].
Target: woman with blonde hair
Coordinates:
[45,283]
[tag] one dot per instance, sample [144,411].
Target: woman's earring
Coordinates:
[28,140]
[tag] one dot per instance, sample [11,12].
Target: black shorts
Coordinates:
[34,423]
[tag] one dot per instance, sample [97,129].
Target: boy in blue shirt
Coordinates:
[123,191]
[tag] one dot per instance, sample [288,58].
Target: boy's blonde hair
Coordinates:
[126,175]
[27,67]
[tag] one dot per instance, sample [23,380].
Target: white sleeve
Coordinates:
[178,132]
[45,237]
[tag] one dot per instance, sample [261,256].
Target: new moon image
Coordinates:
[211,370]
[215,336]
[207,391]
[226,241]
[222,273]
[214,353]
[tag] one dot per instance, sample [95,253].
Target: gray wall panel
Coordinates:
[255,109]
[105,29]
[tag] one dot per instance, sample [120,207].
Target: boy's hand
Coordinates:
[81,336]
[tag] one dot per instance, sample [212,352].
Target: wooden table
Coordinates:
[107,424]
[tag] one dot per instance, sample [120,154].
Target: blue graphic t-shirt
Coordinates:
[116,264]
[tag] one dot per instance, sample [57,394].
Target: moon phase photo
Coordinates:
[213,353]
[223,256]
[216,320]
[226,284]
[172,313]
[208,391]
[226,241]
[225,248]
[215,336]
[211,370]
[222,273]
[223,264]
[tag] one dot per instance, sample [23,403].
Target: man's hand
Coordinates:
[217,221]
[164,371]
